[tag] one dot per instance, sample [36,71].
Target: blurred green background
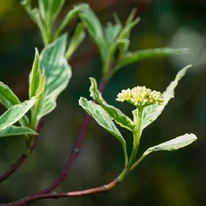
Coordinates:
[165,178]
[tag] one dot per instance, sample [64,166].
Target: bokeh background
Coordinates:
[165,178]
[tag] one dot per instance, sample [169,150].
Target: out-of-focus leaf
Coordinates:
[15,130]
[76,40]
[44,7]
[151,113]
[69,17]
[49,9]
[132,57]
[125,32]
[112,31]
[118,116]
[57,72]
[56,7]
[15,113]
[36,17]
[94,27]
[174,144]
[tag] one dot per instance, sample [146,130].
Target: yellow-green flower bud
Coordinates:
[140,96]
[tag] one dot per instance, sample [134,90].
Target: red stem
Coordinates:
[75,150]
[55,195]
[23,157]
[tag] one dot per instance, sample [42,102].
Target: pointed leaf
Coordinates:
[101,117]
[174,144]
[112,31]
[118,116]
[104,120]
[36,17]
[49,9]
[44,8]
[34,76]
[132,57]
[56,8]
[15,130]
[36,109]
[71,15]
[57,72]
[125,33]
[151,113]
[7,97]
[15,113]
[171,145]
[76,40]
[94,27]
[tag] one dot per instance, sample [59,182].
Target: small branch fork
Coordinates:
[23,157]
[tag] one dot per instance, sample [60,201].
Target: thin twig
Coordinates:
[75,150]
[23,157]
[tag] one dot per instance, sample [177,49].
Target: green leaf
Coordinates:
[7,97]
[15,113]
[171,145]
[36,87]
[118,116]
[101,117]
[56,8]
[70,16]
[76,40]
[94,27]
[36,17]
[57,72]
[131,17]
[40,99]
[132,57]
[151,113]
[44,8]
[104,120]
[14,131]
[47,105]
[174,144]
[125,32]
[112,31]
[34,76]
[49,9]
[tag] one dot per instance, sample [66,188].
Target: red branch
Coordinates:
[55,195]
[23,157]
[75,150]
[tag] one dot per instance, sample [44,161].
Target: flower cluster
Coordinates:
[140,96]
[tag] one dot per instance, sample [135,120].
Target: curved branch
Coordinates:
[56,195]
[75,151]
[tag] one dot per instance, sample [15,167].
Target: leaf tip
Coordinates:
[36,51]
